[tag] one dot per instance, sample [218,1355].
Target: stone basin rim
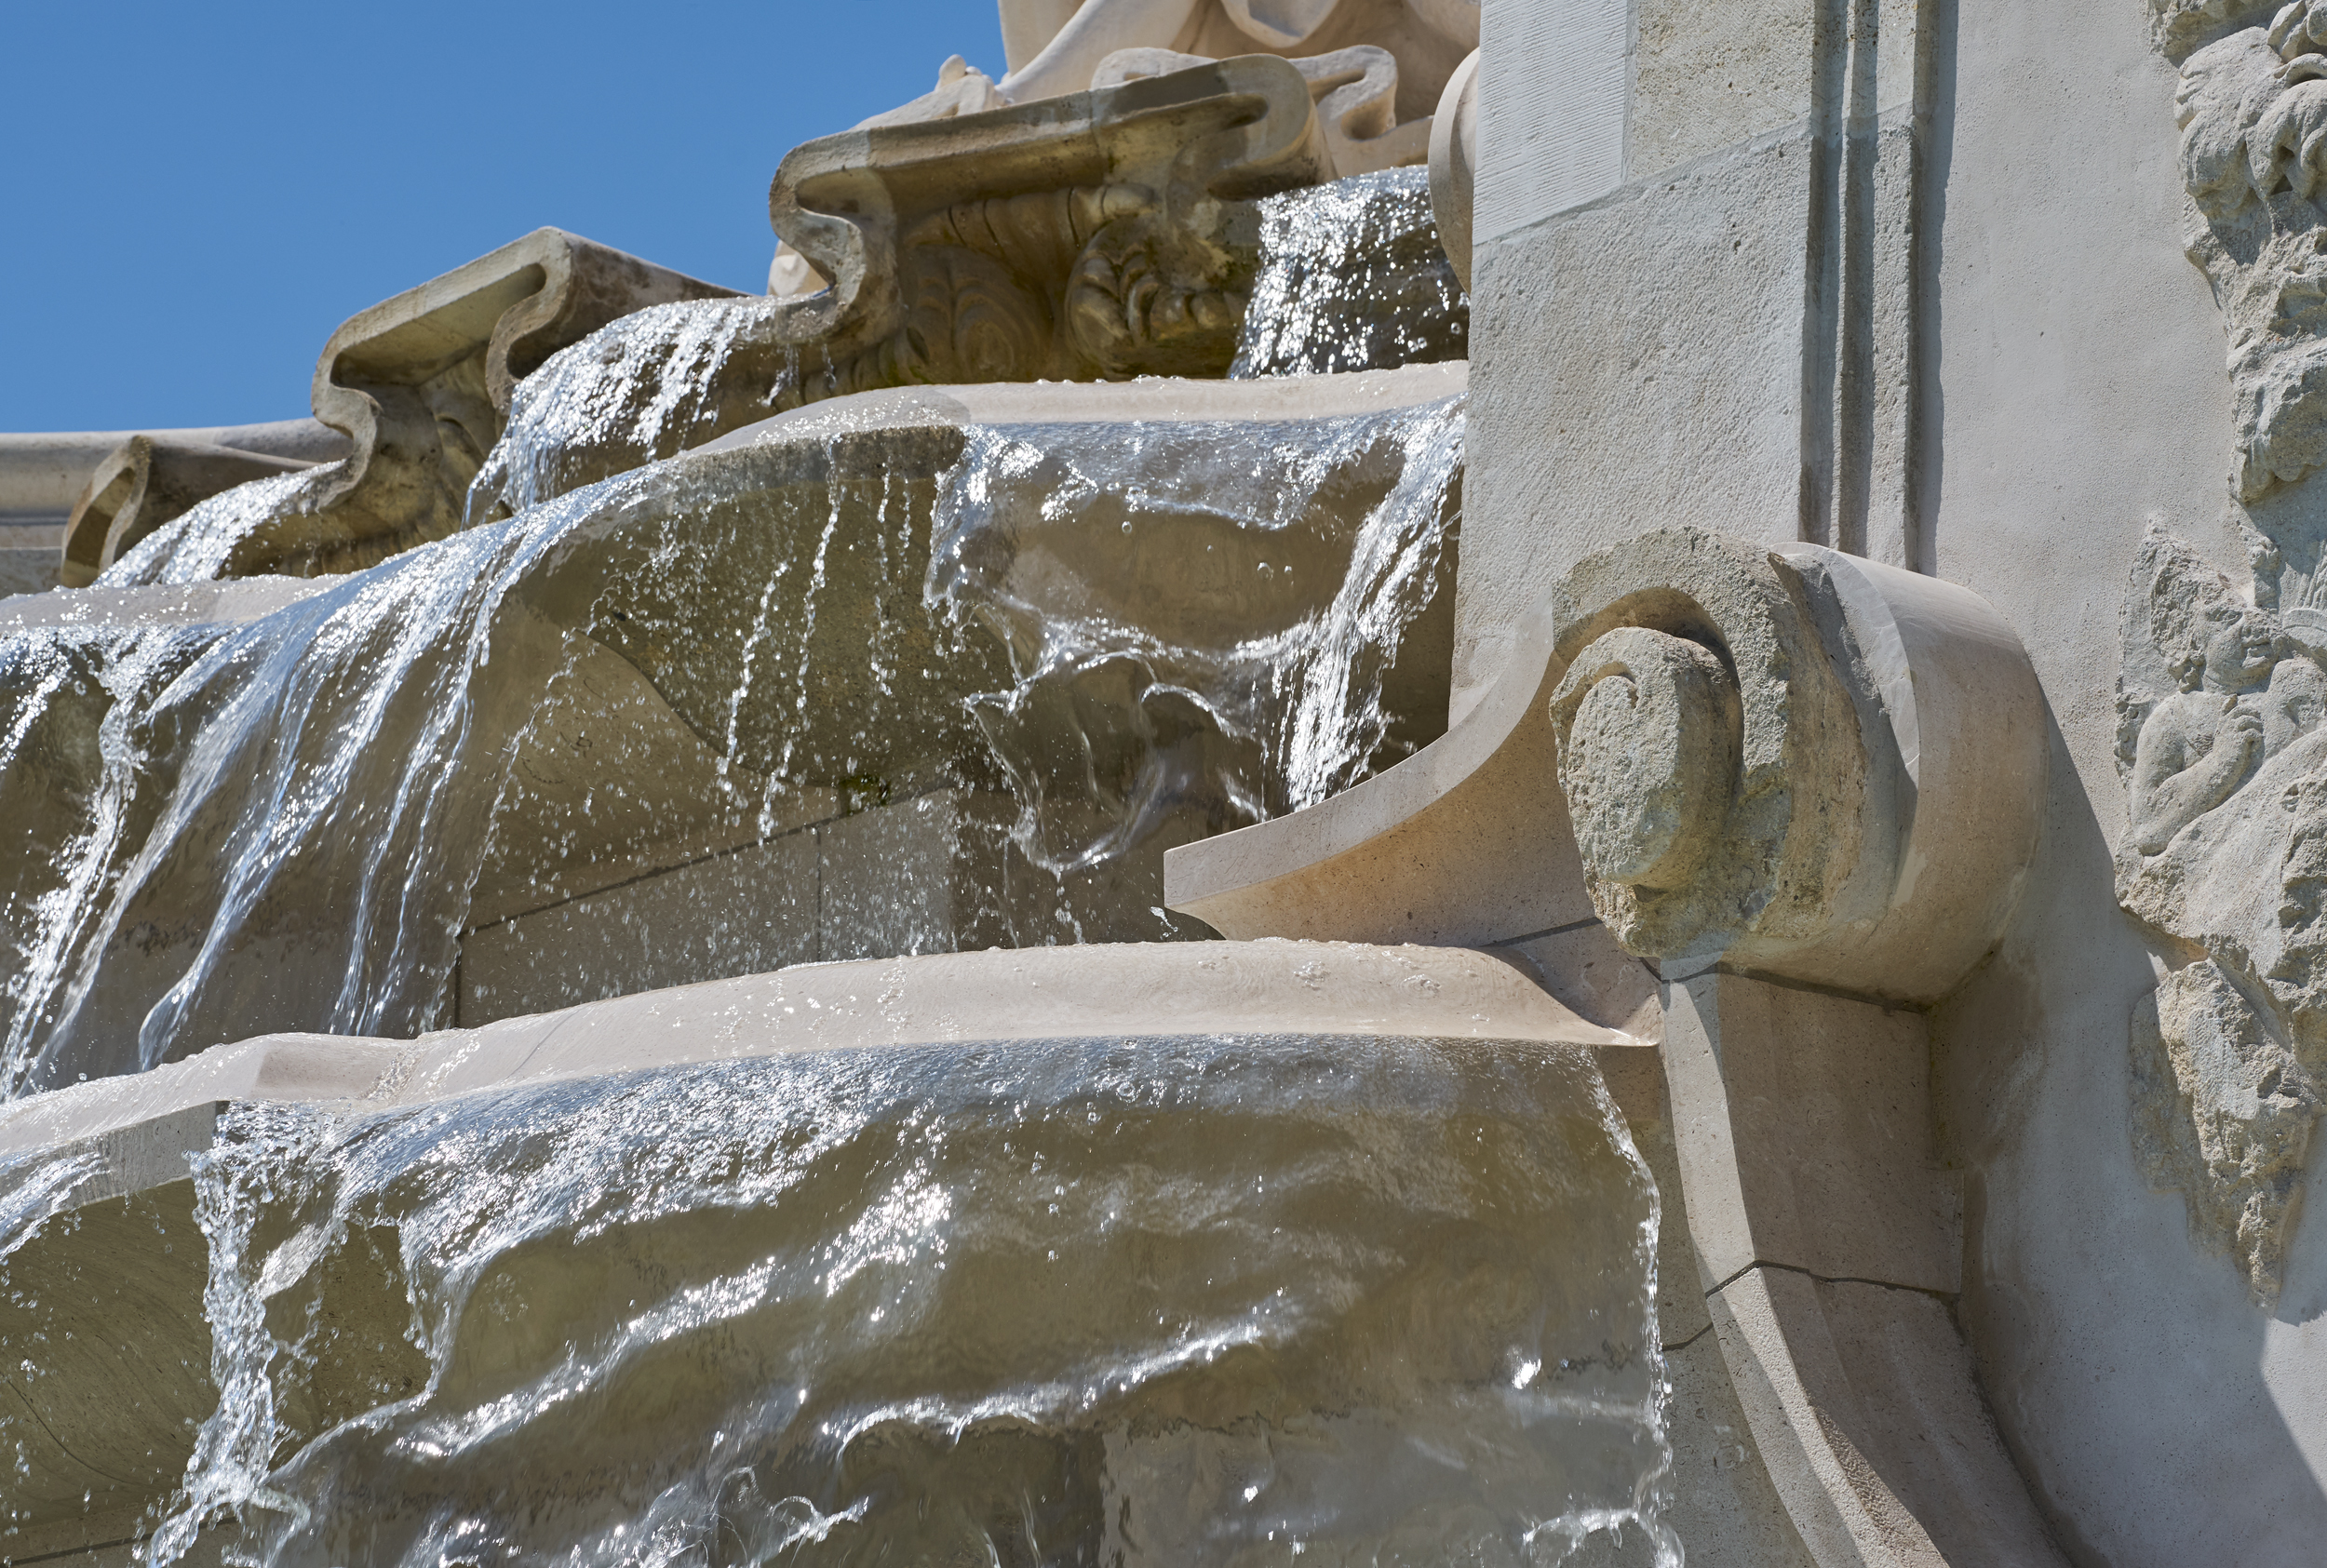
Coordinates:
[998,995]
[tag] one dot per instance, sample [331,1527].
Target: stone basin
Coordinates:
[105,1312]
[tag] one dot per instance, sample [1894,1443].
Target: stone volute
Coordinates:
[1794,763]
[1709,753]
[1806,787]
[1648,726]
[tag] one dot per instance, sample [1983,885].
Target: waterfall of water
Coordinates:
[1352,278]
[1160,630]
[1204,621]
[269,825]
[79,796]
[1177,1301]
[199,545]
[645,387]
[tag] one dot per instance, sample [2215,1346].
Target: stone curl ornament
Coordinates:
[1795,761]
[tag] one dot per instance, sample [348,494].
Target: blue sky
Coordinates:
[193,197]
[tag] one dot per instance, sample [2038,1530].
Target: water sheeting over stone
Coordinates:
[648,386]
[296,822]
[1352,278]
[201,544]
[1168,1301]
[1212,613]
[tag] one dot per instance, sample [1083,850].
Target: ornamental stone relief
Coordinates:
[2220,703]
[2252,112]
[2222,685]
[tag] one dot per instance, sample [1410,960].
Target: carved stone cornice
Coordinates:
[421,384]
[1097,236]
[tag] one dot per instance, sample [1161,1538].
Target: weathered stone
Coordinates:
[2223,1112]
[2176,27]
[149,482]
[28,558]
[1648,727]
[2248,107]
[1355,90]
[2220,709]
[419,384]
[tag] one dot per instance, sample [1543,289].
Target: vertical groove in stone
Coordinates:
[1823,230]
[1855,368]
[1862,333]
[1934,29]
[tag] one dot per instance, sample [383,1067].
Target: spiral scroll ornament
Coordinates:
[1649,724]
[1708,751]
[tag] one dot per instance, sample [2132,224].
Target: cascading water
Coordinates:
[293,824]
[1172,1301]
[283,829]
[1153,1298]
[1079,545]
[199,545]
[645,387]
[1352,277]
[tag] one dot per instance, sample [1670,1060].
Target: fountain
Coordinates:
[1307,812]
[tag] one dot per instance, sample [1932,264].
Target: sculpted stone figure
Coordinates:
[1059,46]
[2221,690]
[2198,746]
[2221,705]
[1055,47]
[2252,107]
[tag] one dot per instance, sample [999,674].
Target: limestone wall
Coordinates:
[2081,396]
[1910,281]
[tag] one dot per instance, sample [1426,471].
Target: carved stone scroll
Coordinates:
[1785,766]
[1060,47]
[1695,674]
[1795,762]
